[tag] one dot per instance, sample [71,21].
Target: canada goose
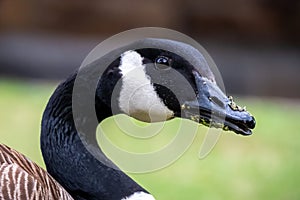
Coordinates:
[64,144]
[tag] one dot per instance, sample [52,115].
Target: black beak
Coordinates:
[213,108]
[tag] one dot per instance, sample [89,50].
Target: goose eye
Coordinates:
[162,62]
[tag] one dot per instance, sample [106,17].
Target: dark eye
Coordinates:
[162,62]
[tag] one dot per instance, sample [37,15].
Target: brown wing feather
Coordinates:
[22,179]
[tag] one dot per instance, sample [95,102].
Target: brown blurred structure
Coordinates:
[258,19]
[255,43]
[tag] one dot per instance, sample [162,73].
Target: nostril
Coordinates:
[216,101]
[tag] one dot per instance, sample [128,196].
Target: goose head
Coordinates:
[158,79]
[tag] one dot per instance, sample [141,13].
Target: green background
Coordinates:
[263,166]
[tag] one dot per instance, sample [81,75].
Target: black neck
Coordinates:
[67,158]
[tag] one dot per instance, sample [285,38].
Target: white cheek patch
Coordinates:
[137,96]
[140,196]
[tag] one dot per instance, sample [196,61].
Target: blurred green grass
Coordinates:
[263,166]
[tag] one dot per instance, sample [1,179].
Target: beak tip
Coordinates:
[251,124]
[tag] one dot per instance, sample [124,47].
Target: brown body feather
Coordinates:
[22,179]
